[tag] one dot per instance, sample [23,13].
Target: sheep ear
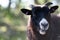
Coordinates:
[26,11]
[52,9]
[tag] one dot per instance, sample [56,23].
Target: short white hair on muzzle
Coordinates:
[43,28]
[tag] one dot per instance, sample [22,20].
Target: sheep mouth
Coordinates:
[42,32]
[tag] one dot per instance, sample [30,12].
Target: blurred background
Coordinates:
[13,22]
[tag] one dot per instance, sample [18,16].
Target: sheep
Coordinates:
[42,25]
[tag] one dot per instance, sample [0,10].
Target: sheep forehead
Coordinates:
[35,5]
[39,5]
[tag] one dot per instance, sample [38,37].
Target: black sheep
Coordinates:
[42,25]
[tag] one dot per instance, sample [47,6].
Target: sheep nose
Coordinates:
[44,24]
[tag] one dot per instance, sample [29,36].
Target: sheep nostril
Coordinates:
[44,24]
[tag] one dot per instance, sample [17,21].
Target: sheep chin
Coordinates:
[42,32]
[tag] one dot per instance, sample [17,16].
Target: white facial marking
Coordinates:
[43,21]
[42,32]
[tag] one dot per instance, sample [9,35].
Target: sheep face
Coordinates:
[40,17]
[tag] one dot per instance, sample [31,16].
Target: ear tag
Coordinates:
[26,13]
